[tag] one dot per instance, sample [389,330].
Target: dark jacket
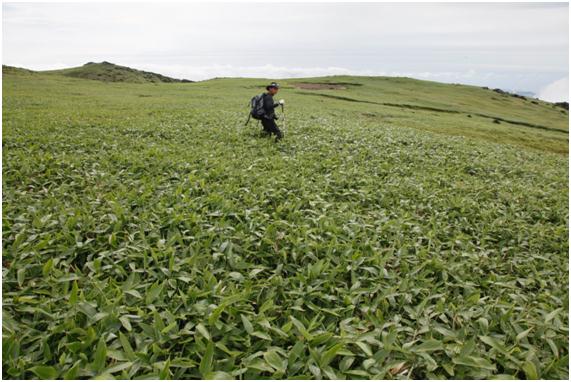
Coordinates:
[269,106]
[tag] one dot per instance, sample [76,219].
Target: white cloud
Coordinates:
[262,71]
[557,91]
[205,72]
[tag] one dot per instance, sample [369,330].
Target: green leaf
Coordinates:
[207,358]
[103,377]
[169,327]
[346,363]
[274,360]
[552,315]
[203,331]
[47,267]
[21,276]
[154,292]
[330,354]
[430,363]
[449,368]
[126,323]
[99,358]
[73,372]
[158,321]
[44,372]
[261,365]
[119,367]
[330,373]
[316,371]
[247,324]
[484,324]
[74,294]
[87,309]
[553,347]
[365,347]
[523,334]
[502,376]
[530,370]
[428,346]
[494,343]
[476,362]
[296,352]
[165,371]
[134,293]
[299,325]
[127,347]
[219,375]
[261,335]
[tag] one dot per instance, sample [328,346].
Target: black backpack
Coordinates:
[256,107]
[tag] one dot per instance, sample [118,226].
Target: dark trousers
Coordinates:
[270,127]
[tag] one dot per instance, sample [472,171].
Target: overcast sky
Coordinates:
[511,46]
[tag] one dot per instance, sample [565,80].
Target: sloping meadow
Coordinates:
[157,237]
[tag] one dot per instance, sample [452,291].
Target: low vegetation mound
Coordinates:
[6,69]
[108,72]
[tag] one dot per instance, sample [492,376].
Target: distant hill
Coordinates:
[15,70]
[109,72]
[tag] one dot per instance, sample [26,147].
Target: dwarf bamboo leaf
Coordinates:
[47,267]
[21,276]
[274,360]
[203,331]
[207,358]
[473,361]
[153,292]
[299,325]
[523,334]
[530,370]
[99,356]
[428,346]
[44,372]
[127,347]
[401,229]
[74,294]
[247,324]
[73,372]
[219,375]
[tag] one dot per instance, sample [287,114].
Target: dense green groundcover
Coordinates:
[147,233]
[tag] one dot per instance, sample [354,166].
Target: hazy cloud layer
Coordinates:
[512,46]
[554,91]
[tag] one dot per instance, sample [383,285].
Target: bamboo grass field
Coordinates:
[401,229]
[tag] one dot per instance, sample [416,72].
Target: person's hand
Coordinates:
[281,102]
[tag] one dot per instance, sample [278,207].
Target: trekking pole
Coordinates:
[284,117]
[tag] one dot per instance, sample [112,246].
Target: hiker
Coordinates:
[269,117]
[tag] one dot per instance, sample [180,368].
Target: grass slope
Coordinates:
[6,69]
[147,233]
[108,72]
[472,111]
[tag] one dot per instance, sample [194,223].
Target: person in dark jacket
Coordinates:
[269,118]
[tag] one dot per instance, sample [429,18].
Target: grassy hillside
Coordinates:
[108,72]
[12,70]
[397,231]
[451,109]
